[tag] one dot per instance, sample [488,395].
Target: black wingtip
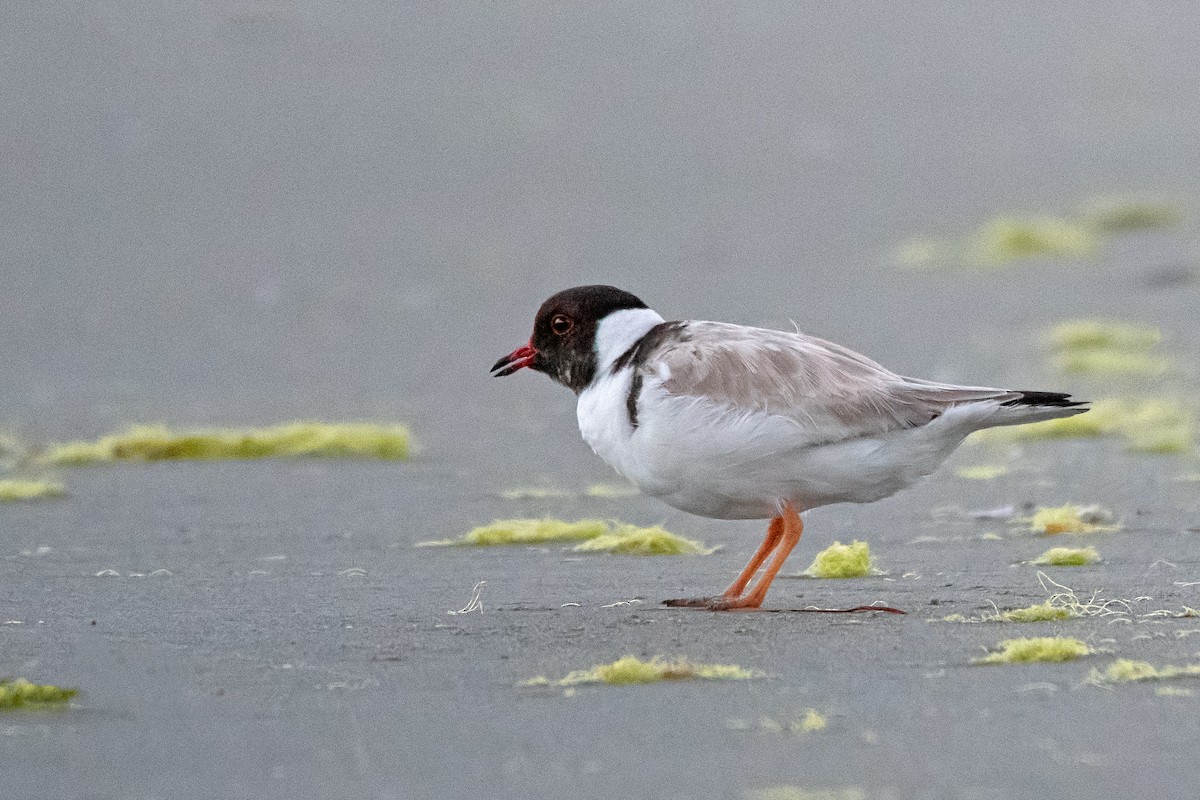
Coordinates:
[1051,399]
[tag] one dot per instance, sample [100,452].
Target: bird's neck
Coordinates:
[619,330]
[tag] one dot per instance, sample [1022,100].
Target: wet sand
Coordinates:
[244,213]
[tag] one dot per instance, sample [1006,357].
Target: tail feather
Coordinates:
[1035,407]
[1049,399]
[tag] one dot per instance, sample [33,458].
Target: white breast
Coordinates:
[604,417]
[603,409]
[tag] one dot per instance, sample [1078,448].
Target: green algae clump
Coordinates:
[631,670]
[1106,347]
[534,493]
[800,793]
[1126,670]
[289,440]
[1157,426]
[813,721]
[1068,557]
[1046,611]
[1040,612]
[982,472]
[1004,239]
[1125,215]
[1009,238]
[1109,350]
[20,693]
[594,536]
[12,490]
[8,446]
[1071,518]
[652,541]
[1094,334]
[1037,648]
[612,491]
[842,561]
[604,491]
[1114,362]
[504,532]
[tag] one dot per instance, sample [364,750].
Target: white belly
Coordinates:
[704,459]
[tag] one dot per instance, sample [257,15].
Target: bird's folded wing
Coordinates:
[830,391]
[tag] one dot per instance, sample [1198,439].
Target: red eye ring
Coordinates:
[561,325]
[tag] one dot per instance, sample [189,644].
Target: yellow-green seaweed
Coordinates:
[1065,598]
[1036,648]
[1106,362]
[800,793]
[529,531]
[1008,238]
[634,541]
[630,670]
[813,721]
[1046,611]
[1093,606]
[1099,334]
[21,693]
[1002,240]
[292,439]
[1068,557]
[611,491]
[1071,518]
[1157,426]
[842,561]
[924,252]
[1011,238]
[594,535]
[534,493]
[14,489]
[1128,214]
[1108,348]
[982,472]
[604,491]
[1127,670]
[1039,612]
[8,445]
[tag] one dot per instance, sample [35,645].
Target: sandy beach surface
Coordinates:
[241,213]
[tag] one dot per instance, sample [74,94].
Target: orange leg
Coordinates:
[774,532]
[792,528]
[782,535]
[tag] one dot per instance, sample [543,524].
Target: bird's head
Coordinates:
[563,344]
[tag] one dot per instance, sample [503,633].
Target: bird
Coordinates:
[733,422]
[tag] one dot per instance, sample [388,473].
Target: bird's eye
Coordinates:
[561,324]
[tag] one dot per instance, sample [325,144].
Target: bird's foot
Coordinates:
[718,602]
[691,602]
